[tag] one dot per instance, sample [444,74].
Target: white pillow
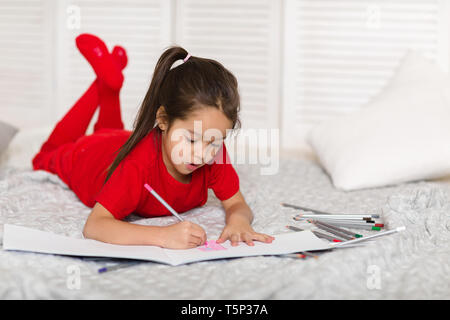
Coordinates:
[7,132]
[402,135]
[24,146]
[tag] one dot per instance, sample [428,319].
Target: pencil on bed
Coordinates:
[335,232]
[384,233]
[157,196]
[359,217]
[327,213]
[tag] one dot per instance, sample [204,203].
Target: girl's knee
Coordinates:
[38,161]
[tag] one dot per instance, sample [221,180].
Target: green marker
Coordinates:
[358,226]
[331,226]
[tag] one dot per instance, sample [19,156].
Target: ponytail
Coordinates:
[196,83]
[146,117]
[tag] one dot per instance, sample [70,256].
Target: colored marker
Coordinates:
[308,254]
[335,232]
[118,266]
[317,234]
[357,226]
[321,212]
[371,237]
[352,234]
[294,228]
[293,255]
[364,223]
[335,216]
[157,196]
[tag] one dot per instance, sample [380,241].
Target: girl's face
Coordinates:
[193,142]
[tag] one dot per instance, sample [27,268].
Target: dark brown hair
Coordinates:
[196,83]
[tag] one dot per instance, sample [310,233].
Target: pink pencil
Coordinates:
[157,196]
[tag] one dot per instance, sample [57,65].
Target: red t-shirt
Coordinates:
[124,192]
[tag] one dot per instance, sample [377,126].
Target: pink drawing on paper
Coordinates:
[212,245]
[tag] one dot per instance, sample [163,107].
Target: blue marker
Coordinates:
[118,266]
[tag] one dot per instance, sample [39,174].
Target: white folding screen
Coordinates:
[339,54]
[25,61]
[243,35]
[142,27]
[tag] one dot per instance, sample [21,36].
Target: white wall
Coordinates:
[297,61]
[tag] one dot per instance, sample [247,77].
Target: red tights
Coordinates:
[104,92]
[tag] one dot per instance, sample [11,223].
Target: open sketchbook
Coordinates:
[27,239]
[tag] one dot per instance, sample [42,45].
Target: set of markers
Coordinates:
[353,221]
[333,224]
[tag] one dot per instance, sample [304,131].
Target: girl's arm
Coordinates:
[238,220]
[101,225]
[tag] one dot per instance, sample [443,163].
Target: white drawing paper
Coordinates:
[26,239]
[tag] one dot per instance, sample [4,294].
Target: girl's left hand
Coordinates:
[242,232]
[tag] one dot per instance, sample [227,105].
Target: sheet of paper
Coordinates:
[26,239]
[283,243]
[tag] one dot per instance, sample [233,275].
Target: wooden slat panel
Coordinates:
[339,54]
[245,37]
[25,62]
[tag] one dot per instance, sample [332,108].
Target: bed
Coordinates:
[414,264]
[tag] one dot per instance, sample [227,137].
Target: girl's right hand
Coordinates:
[183,235]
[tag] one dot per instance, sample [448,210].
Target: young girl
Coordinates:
[108,169]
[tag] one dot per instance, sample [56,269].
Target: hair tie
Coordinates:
[187,57]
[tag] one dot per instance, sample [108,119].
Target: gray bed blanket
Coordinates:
[414,264]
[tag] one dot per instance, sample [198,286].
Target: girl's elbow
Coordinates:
[88,230]
[95,221]
[91,228]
